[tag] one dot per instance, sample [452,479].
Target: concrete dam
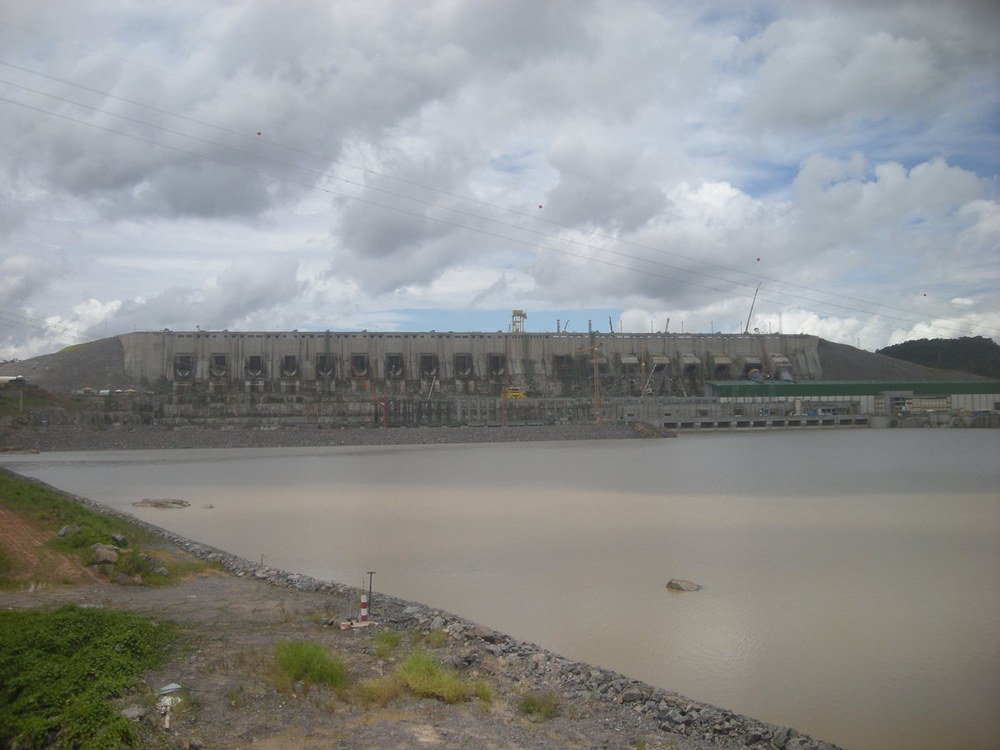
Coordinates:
[431,365]
[358,379]
[388,379]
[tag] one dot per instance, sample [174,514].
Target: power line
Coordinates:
[451,209]
[749,275]
[12,319]
[440,220]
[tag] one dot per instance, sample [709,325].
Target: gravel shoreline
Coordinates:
[61,438]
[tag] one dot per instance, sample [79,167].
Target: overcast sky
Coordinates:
[405,166]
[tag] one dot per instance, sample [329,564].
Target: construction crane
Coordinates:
[746,328]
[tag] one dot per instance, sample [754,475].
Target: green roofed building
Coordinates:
[769,404]
[846,389]
[891,398]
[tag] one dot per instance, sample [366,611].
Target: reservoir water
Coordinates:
[851,578]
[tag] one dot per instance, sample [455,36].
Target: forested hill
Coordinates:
[975,354]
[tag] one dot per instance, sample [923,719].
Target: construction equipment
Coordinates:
[746,328]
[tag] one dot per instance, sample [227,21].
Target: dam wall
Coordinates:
[431,364]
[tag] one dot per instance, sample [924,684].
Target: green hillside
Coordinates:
[976,354]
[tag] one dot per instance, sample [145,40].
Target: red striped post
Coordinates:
[364,608]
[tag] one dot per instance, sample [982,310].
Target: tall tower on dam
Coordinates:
[430,363]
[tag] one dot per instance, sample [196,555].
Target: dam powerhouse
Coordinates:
[668,380]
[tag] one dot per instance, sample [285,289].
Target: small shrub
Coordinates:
[310,664]
[237,696]
[425,677]
[539,705]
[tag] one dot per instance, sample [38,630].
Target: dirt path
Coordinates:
[34,563]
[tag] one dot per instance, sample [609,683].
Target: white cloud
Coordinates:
[817,71]
[243,165]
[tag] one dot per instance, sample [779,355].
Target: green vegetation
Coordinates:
[379,691]
[425,677]
[483,691]
[85,528]
[433,639]
[974,354]
[21,398]
[421,675]
[60,671]
[386,643]
[6,570]
[539,705]
[310,664]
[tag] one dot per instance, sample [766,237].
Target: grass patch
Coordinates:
[431,639]
[386,643]
[61,670]
[539,705]
[17,399]
[379,691]
[86,528]
[6,570]
[483,692]
[425,677]
[308,663]
[436,638]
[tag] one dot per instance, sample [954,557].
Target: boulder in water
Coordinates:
[679,584]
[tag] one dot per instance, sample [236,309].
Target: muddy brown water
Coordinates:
[850,578]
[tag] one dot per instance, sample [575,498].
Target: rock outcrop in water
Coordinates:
[681,584]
